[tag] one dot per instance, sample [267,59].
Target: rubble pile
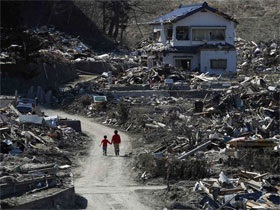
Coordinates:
[222,108]
[143,78]
[44,44]
[47,49]
[156,165]
[185,130]
[258,58]
[232,125]
[161,77]
[196,134]
[79,98]
[37,154]
[219,115]
[156,75]
[187,137]
[245,190]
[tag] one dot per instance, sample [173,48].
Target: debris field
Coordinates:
[214,141]
[208,128]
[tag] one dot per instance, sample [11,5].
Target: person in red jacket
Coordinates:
[104,145]
[116,140]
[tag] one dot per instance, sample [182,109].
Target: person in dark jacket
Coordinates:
[116,140]
[104,143]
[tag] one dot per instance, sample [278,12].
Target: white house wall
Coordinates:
[206,56]
[204,19]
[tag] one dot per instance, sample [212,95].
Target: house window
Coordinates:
[156,36]
[218,63]
[208,34]
[217,35]
[169,33]
[184,64]
[182,33]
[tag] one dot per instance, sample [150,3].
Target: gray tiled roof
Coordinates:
[185,11]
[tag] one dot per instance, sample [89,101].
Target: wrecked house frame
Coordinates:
[195,38]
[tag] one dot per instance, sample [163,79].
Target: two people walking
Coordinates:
[116,140]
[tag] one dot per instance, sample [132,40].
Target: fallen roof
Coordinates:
[187,10]
[191,49]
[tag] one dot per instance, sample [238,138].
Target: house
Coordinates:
[195,37]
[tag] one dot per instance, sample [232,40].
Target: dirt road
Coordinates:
[106,181]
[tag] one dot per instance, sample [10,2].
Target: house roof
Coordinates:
[187,10]
[183,49]
[159,47]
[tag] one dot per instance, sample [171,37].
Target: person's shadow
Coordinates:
[112,155]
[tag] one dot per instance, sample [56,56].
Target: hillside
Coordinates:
[65,16]
[90,20]
[257,19]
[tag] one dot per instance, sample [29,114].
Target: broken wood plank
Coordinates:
[151,125]
[160,149]
[257,178]
[201,113]
[254,184]
[4,129]
[128,127]
[224,191]
[255,205]
[198,148]
[36,137]
[14,110]
[243,186]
